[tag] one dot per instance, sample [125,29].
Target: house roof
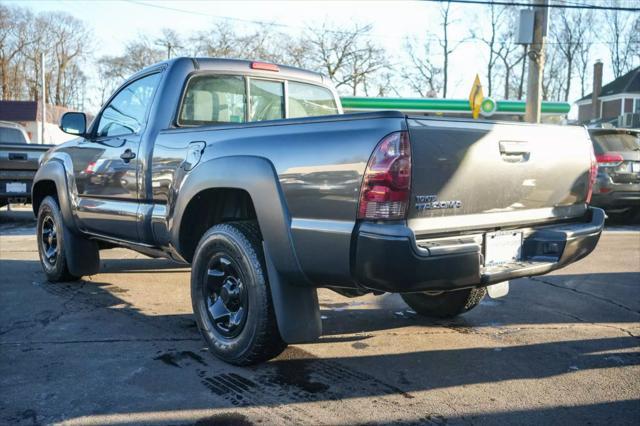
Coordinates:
[18,110]
[627,83]
[22,111]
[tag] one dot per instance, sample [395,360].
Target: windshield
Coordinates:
[11,135]
[615,142]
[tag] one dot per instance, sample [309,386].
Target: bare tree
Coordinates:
[553,80]
[348,57]
[620,32]
[496,14]
[634,40]
[569,31]
[69,42]
[13,41]
[523,69]
[223,41]
[171,41]
[423,76]
[510,56]
[447,45]
[583,66]
[24,37]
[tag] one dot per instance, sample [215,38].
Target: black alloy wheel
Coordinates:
[49,240]
[226,296]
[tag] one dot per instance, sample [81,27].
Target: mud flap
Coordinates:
[297,309]
[498,290]
[83,255]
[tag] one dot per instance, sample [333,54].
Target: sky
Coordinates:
[116,21]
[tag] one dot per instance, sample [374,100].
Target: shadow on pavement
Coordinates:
[297,376]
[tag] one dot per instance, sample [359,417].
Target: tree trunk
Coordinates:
[522,72]
[568,86]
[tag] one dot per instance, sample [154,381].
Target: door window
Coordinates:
[126,113]
[267,100]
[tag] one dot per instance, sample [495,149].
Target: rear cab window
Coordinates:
[211,99]
[266,100]
[307,100]
[10,135]
[615,142]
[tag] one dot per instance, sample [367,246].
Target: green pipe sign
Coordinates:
[448,105]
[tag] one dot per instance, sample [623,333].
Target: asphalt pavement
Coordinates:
[121,347]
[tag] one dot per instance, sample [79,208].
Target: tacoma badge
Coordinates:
[430,202]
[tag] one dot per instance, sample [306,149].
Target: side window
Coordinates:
[126,113]
[212,99]
[267,100]
[307,100]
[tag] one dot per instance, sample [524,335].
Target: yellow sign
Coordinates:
[475,97]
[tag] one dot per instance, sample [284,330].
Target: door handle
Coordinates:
[128,155]
[514,151]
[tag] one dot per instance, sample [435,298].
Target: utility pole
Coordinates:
[43,100]
[536,62]
[169,50]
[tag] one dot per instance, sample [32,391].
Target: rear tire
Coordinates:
[231,297]
[445,305]
[51,233]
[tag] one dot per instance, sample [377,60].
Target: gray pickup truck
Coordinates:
[249,172]
[18,163]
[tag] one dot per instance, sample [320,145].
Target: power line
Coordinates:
[429,38]
[553,5]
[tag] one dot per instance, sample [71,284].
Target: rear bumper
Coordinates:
[16,177]
[609,194]
[616,199]
[388,258]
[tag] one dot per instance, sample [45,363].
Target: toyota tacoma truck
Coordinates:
[249,172]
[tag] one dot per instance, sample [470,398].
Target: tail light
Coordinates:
[609,159]
[91,167]
[387,179]
[593,173]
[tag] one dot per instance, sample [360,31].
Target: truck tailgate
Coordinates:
[21,156]
[470,175]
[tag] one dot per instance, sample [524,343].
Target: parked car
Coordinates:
[249,172]
[617,187]
[18,163]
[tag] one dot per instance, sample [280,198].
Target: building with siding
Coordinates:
[615,99]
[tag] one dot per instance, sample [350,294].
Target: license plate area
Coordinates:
[635,167]
[502,247]
[16,187]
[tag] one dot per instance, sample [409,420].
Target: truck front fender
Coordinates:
[295,300]
[82,254]
[55,171]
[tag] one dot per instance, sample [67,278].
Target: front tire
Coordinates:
[445,305]
[231,297]
[51,233]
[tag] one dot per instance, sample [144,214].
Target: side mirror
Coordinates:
[74,123]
